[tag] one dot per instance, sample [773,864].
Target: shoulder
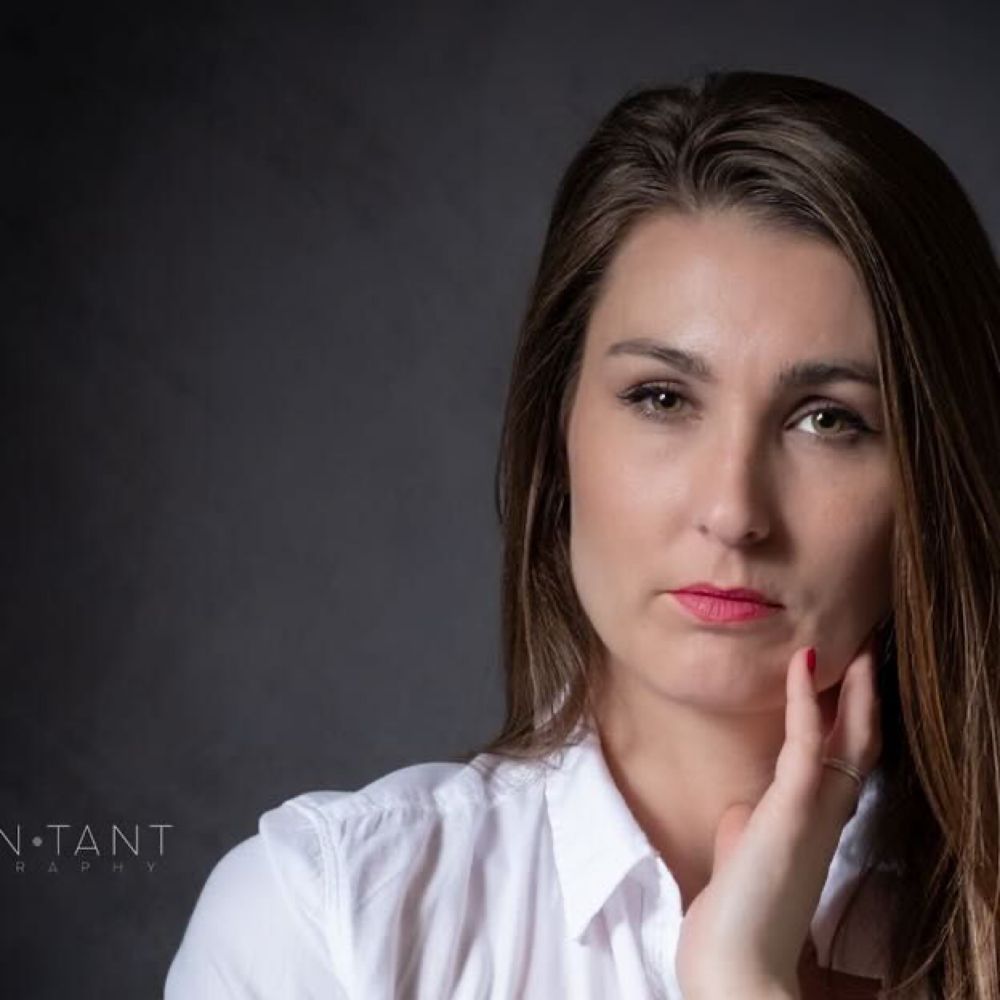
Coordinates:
[252,933]
[404,826]
[408,798]
[257,928]
[276,914]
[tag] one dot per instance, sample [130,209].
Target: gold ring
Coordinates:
[849,769]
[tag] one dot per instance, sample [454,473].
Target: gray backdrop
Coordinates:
[263,269]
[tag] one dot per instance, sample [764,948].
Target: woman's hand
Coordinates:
[744,934]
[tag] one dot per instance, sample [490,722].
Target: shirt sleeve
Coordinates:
[261,926]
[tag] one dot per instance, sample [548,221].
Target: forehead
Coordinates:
[724,285]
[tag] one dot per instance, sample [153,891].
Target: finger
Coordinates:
[856,735]
[798,768]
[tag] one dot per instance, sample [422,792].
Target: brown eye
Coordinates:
[654,402]
[662,398]
[836,424]
[832,417]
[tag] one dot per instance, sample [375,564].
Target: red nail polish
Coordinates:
[811,660]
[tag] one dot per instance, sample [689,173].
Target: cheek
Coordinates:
[616,515]
[617,507]
[848,547]
[602,519]
[619,526]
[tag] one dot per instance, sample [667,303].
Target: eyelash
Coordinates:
[636,396]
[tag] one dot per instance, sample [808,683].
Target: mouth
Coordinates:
[722,607]
[729,593]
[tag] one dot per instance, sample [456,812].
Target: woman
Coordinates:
[760,357]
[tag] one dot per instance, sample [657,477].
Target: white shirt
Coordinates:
[479,881]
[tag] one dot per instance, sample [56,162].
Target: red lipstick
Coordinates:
[710,603]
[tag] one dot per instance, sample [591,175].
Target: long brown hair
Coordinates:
[806,156]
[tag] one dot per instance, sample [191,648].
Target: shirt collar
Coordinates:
[597,840]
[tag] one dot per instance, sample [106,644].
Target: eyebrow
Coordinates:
[799,374]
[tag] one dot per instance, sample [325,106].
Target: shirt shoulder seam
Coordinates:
[332,899]
[359,805]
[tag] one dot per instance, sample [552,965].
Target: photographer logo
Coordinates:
[54,848]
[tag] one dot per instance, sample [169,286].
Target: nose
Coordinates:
[732,492]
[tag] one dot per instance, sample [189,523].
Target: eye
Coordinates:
[660,400]
[834,425]
[853,428]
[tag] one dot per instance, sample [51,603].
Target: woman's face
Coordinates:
[717,470]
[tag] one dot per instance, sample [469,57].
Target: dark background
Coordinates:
[262,272]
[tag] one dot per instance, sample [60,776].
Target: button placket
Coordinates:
[660,921]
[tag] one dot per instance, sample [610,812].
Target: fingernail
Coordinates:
[811,660]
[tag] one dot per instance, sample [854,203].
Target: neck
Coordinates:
[679,767]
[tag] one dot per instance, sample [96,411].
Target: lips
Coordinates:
[729,594]
[716,609]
